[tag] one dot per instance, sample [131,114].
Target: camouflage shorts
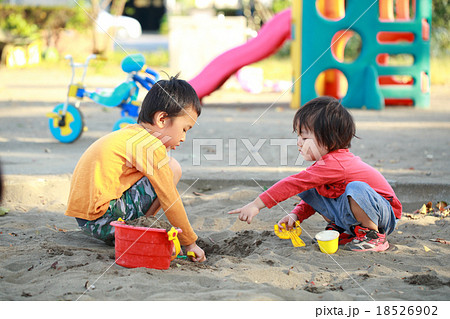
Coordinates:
[133,203]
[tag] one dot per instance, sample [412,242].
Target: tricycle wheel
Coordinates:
[124,121]
[71,128]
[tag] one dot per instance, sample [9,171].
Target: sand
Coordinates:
[44,256]
[149,222]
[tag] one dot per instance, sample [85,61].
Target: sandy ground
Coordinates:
[43,256]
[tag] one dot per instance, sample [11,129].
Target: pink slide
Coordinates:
[271,37]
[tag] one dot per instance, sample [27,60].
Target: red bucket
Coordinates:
[142,246]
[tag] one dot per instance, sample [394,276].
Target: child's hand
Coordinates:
[249,211]
[288,220]
[199,253]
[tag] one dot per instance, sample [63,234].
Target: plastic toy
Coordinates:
[189,254]
[320,31]
[328,241]
[172,236]
[137,246]
[292,234]
[387,28]
[270,38]
[66,120]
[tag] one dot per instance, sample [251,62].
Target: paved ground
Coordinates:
[147,42]
[239,137]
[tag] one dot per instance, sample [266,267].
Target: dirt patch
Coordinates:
[183,264]
[151,222]
[426,280]
[243,244]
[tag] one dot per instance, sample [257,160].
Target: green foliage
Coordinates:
[29,19]
[129,11]
[280,5]
[440,42]
[441,14]
[157,60]
[19,27]
[79,20]
[285,51]
[276,68]
[164,25]
[352,48]
[440,70]
[184,6]
[440,38]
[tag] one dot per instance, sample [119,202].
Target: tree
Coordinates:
[440,41]
[105,46]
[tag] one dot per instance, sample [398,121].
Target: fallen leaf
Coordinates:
[441,205]
[426,248]
[426,208]
[60,229]
[3,211]
[441,210]
[51,228]
[413,215]
[440,240]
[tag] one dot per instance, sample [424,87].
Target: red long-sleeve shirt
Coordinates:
[330,176]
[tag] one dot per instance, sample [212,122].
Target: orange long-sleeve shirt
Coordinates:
[115,162]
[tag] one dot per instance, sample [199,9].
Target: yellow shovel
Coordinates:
[172,233]
[292,234]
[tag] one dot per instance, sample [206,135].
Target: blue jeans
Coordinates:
[338,209]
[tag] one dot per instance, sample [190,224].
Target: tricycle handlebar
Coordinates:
[75,65]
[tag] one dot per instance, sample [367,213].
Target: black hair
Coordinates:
[172,96]
[331,123]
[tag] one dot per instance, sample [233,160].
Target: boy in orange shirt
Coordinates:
[128,174]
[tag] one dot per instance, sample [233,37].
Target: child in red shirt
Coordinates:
[353,197]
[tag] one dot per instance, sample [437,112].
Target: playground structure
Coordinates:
[392,67]
[270,38]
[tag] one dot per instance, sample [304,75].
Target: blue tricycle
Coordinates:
[66,121]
